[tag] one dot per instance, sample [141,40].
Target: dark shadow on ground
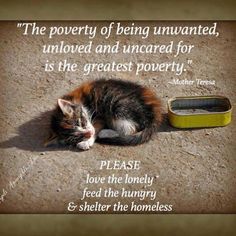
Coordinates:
[166,127]
[32,134]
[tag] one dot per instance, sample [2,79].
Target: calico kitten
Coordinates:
[109,111]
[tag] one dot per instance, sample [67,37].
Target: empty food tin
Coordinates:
[199,111]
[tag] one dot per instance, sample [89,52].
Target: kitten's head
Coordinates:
[70,124]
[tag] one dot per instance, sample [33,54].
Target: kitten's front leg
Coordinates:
[85,145]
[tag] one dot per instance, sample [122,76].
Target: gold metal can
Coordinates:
[199,111]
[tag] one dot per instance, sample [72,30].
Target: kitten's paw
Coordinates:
[83,145]
[91,141]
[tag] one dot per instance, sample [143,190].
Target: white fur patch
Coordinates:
[124,127]
[108,133]
[85,145]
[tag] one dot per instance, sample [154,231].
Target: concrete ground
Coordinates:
[196,168]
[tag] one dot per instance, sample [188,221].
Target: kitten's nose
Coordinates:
[88,134]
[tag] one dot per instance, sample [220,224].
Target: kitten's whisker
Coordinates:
[90,117]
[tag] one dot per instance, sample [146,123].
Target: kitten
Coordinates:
[109,111]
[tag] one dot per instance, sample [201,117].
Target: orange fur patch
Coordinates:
[81,92]
[152,100]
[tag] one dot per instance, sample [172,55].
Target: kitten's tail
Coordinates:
[130,140]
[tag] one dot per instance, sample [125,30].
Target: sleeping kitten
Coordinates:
[108,111]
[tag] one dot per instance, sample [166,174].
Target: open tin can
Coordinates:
[199,111]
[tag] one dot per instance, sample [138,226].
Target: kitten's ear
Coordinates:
[66,107]
[52,140]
